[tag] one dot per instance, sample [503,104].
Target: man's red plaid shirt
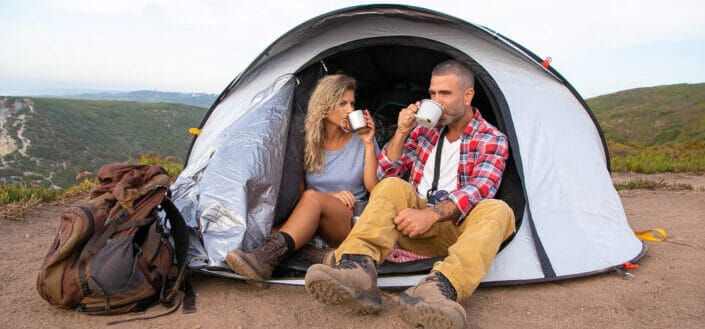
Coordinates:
[483,153]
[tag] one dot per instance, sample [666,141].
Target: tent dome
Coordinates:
[244,169]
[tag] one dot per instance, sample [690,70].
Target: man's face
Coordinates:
[446,90]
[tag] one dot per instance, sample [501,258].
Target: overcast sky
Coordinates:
[200,46]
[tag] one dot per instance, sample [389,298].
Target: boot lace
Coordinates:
[443,285]
[272,247]
[350,261]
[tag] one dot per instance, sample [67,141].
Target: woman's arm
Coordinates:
[369,172]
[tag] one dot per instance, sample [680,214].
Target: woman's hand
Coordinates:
[367,135]
[346,197]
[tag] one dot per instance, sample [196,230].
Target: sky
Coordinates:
[65,46]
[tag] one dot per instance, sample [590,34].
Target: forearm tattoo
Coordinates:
[447,210]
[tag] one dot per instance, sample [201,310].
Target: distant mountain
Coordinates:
[150,96]
[653,116]
[48,140]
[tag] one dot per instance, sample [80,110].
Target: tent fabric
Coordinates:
[572,220]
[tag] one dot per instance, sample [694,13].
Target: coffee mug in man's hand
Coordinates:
[429,113]
[357,120]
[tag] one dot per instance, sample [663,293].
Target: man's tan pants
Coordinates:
[469,248]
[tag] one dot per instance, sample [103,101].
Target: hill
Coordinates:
[150,96]
[47,140]
[653,116]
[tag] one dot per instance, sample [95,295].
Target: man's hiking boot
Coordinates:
[431,304]
[353,283]
[259,264]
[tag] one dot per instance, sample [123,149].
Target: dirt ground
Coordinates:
[668,290]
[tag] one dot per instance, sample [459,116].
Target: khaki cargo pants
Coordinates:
[469,248]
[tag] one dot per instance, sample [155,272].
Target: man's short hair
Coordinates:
[451,66]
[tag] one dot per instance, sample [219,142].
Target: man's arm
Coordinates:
[396,145]
[446,210]
[405,124]
[399,154]
[414,222]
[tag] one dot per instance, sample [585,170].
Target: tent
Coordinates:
[244,169]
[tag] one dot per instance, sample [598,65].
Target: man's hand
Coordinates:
[405,124]
[346,197]
[414,222]
[407,118]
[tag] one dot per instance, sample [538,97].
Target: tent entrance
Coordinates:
[392,73]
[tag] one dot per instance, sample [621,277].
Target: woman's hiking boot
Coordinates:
[352,283]
[259,264]
[315,255]
[431,304]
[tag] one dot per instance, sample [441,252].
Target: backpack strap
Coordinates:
[180,234]
[181,294]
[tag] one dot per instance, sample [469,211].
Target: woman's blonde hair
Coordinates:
[325,97]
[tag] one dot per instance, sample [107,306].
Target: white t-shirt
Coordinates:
[448,178]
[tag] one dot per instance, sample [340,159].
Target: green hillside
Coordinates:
[653,116]
[48,141]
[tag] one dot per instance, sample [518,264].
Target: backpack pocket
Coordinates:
[114,268]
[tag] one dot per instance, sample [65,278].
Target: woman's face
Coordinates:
[339,113]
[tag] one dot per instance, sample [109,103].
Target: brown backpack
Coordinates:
[114,254]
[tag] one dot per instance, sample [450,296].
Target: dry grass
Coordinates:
[16,199]
[647,184]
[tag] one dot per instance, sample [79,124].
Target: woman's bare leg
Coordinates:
[318,211]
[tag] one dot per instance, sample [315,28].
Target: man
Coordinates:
[467,226]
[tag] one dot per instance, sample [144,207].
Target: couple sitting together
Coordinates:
[446,209]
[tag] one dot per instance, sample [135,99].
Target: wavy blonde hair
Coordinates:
[325,97]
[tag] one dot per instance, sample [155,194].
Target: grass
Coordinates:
[168,163]
[15,199]
[81,188]
[672,157]
[647,184]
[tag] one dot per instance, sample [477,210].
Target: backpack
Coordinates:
[114,254]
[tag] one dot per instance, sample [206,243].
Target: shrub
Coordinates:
[81,188]
[16,199]
[169,163]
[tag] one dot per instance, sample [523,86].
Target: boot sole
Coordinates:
[240,267]
[421,314]
[328,290]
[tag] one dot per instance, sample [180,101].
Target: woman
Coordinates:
[340,167]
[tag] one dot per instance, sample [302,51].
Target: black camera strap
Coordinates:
[437,165]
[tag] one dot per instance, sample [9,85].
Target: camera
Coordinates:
[433,196]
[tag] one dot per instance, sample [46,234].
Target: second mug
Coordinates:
[357,120]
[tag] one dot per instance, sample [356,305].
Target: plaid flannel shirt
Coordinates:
[483,153]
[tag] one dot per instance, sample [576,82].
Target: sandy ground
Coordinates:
[668,290]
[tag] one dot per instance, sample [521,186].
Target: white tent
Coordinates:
[244,169]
